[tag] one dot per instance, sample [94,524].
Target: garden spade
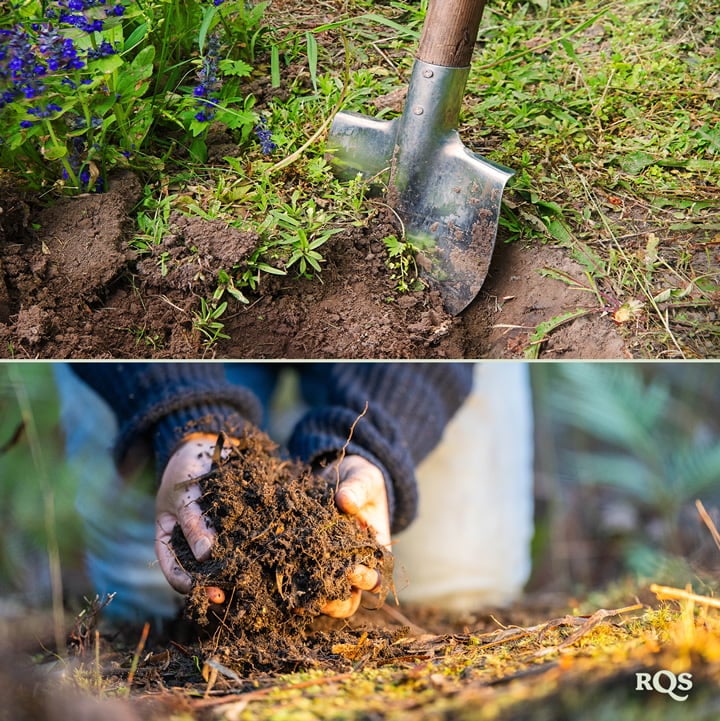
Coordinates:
[447,198]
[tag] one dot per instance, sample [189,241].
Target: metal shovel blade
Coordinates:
[446,196]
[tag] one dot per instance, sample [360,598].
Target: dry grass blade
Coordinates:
[708,521]
[668,593]
[138,651]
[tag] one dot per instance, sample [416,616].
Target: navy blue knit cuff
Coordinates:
[172,429]
[198,410]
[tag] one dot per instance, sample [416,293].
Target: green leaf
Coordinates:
[635,163]
[130,82]
[695,470]
[108,64]
[235,293]
[614,404]
[558,230]
[265,268]
[619,470]
[143,62]
[569,48]
[402,30]
[545,328]
[208,16]
[275,66]
[588,258]
[312,53]
[55,152]
[198,150]
[237,68]
[235,119]
[135,37]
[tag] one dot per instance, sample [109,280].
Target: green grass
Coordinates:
[606,110]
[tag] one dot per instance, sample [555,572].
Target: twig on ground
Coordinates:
[401,618]
[590,623]
[668,593]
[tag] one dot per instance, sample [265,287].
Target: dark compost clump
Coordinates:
[283,550]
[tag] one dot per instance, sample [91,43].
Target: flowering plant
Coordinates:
[87,85]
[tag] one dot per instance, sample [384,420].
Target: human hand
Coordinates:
[361,493]
[177,502]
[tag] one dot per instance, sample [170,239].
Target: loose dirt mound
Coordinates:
[283,551]
[71,288]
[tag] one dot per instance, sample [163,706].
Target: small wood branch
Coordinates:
[589,624]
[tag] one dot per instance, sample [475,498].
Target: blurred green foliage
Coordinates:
[31,462]
[628,448]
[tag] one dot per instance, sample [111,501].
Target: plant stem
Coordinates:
[64,160]
[48,498]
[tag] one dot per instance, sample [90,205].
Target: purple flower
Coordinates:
[264,137]
[46,112]
[103,51]
[208,82]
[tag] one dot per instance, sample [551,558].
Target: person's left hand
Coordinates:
[361,493]
[177,502]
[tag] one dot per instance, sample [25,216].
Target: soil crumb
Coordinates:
[283,551]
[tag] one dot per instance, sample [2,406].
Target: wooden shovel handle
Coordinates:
[450,31]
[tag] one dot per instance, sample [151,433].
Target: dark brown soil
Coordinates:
[71,288]
[283,551]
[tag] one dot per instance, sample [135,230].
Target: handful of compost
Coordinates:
[283,550]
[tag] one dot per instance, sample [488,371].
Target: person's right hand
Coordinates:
[361,494]
[177,502]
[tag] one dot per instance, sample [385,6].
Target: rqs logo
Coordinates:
[664,682]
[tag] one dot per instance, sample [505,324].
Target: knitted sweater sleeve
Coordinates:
[164,401]
[408,407]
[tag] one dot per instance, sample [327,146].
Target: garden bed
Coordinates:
[74,289]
